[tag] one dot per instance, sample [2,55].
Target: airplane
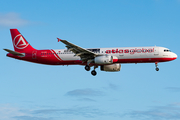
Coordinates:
[109,59]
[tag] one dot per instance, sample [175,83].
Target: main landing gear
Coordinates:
[156,63]
[93,72]
[87,68]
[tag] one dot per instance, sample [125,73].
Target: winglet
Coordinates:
[59,39]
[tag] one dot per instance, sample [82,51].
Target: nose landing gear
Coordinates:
[157,69]
[156,63]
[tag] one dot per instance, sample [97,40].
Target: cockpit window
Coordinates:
[166,50]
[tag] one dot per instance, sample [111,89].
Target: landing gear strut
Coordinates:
[87,67]
[156,63]
[93,72]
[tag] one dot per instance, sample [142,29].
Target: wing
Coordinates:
[79,51]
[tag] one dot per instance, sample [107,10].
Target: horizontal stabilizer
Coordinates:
[15,53]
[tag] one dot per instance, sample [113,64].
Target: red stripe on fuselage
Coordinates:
[56,55]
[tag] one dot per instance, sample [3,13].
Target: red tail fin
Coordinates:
[19,42]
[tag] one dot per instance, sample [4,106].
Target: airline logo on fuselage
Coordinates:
[19,42]
[131,51]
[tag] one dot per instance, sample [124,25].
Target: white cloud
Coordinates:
[86,112]
[85,92]
[7,112]
[87,99]
[30,118]
[111,87]
[173,89]
[167,112]
[12,20]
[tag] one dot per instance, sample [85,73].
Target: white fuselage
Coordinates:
[124,53]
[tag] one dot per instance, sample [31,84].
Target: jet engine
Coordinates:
[105,59]
[111,68]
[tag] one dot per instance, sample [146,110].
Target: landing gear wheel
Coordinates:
[93,72]
[87,68]
[156,64]
[157,69]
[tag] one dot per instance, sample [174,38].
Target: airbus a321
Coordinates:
[109,59]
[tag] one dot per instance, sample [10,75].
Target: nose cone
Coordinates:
[174,56]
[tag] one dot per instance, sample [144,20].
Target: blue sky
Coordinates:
[39,92]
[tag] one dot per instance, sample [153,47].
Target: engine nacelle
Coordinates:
[105,59]
[111,68]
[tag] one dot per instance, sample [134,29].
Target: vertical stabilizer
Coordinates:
[19,42]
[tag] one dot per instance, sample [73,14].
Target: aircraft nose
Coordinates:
[174,55]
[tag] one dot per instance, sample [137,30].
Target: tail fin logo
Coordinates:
[19,42]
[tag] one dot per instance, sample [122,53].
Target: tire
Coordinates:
[93,73]
[87,68]
[157,69]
